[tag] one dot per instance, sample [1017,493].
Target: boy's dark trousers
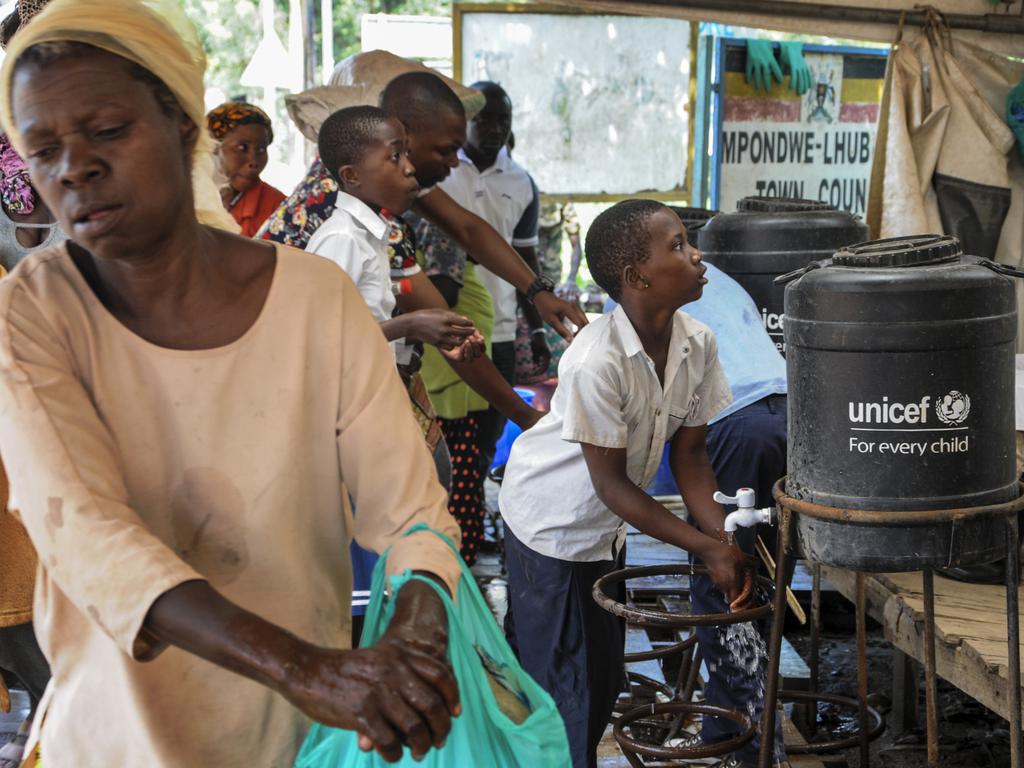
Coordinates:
[571,646]
[746,448]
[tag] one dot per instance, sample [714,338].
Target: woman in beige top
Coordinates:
[183,413]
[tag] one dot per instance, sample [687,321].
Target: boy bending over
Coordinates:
[632,380]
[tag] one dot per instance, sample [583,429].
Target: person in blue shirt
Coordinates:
[747,439]
[746,442]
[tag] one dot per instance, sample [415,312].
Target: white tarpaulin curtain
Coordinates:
[814,23]
[945,160]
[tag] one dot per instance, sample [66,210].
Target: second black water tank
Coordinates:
[694,220]
[767,237]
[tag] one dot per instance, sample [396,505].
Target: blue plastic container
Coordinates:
[512,431]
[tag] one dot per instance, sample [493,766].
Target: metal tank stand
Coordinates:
[1013,636]
[788,508]
[870,721]
[665,720]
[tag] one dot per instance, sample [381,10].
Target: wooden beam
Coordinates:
[1005,23]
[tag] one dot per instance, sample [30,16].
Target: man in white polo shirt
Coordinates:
[489,183]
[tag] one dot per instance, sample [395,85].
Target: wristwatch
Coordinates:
[540,284]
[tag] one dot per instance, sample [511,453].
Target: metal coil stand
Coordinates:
[788,508]
[813,696]
[667,718]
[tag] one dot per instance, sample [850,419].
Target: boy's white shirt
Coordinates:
[608,395]
[355,238]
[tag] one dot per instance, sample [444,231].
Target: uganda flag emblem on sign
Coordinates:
[817,146]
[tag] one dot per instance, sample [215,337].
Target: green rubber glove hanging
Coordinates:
[792,55]
[761,64]
[1015,115]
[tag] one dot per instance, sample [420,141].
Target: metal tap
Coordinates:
[745,516]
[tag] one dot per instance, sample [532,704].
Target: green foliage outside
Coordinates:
[231,30]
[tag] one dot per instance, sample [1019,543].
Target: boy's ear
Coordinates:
[631,278]
[349,175]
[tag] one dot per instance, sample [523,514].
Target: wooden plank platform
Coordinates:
[791,737]
[970,627]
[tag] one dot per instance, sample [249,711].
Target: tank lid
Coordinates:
[696,215]
[910,251]
[780,205]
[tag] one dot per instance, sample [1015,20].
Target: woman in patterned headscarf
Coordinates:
[26,224]
[244,132]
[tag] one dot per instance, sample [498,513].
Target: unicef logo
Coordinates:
[953,408]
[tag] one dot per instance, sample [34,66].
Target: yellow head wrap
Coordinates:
[156,35]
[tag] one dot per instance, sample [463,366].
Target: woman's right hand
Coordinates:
[390,693]
[441,327]
[732,571]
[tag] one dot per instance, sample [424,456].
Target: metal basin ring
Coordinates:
[719,748]
[764,589]
[817,747]
[654,687]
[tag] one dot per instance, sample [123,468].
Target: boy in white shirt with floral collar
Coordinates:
[630,381]
[367,152]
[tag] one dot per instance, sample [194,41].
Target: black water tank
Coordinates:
[693,219]
[767,237]
[901,398]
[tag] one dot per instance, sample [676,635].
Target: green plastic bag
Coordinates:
[482,736]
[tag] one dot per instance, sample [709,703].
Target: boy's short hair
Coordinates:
[416,97]
[619,237]
[346,135]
